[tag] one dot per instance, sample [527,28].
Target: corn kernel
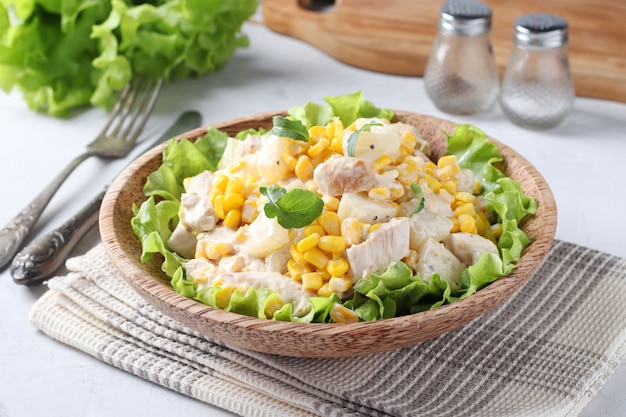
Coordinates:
[318,132]
[316,257]
[219,206]
[237,165]
[232,219]
[296,254]
[342,314]
[497,230]
[381,163]
[248,211]
[223,248]
[432,182]
[336,144]
[330,222]
[220,182]
[214,193]
[467,223]
[430,169]
[312,281]
[296,270]
[396,193]
[477,187]
[232,201]
[201,280]
[466,197]
[408,142]
[466,208]
[325,290]
[308,242]
[272,307]
[332,243]
[222,297]
[340,284]
[319,147]
[303,168]
[337,267]
[235,186]
[455,225]
[380,193]
[351,231]
[373,228]
[449,186]
[447,161]
[330,203]
[314,228]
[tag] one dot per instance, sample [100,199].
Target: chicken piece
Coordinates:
[468,247]
[339,175]
[435,258]
[426,224]
[182,241]
[387,244]
[196,211]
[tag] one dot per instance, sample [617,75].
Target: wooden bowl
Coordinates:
[316,339]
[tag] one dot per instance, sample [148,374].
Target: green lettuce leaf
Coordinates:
[66,54]
[395,292]
[348,108]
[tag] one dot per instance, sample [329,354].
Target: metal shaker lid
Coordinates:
[465,17]
[541,30]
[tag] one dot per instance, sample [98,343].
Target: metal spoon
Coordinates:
[44,256]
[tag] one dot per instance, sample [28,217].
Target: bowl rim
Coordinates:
[193,313]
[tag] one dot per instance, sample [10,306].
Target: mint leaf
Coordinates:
[287,128]
[294,209]
[420,195]
[354,137]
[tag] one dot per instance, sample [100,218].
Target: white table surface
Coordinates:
[583,160]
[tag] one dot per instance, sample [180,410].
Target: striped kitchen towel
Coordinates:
[544,352]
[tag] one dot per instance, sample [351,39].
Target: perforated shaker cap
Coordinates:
[541,30]
[465,17]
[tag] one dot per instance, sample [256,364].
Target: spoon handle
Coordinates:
[42,257]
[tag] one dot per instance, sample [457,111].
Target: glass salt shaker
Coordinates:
[537,87]
[461,76]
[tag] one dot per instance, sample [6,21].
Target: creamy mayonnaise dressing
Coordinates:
[370,192]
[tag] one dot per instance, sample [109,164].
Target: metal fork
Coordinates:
[117,138]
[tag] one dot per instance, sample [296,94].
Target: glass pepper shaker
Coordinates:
[537,87]
[461,76]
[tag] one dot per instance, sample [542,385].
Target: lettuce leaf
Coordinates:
[348,108]
[66,54]
[397,291]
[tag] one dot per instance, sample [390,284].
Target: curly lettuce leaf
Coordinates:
[397,291]
[348,108]
[66,54]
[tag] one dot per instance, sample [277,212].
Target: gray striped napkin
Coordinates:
[544,352]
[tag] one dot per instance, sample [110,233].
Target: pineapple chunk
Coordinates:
[264,236]
[364,209]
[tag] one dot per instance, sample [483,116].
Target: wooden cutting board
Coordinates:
[396,36]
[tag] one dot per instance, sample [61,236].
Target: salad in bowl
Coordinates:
[337,213]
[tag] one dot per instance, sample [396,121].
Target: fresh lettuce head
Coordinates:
[66,54]
[397,291]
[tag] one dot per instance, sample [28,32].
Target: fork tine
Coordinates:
[128,104]
[116,109]
[143,109]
